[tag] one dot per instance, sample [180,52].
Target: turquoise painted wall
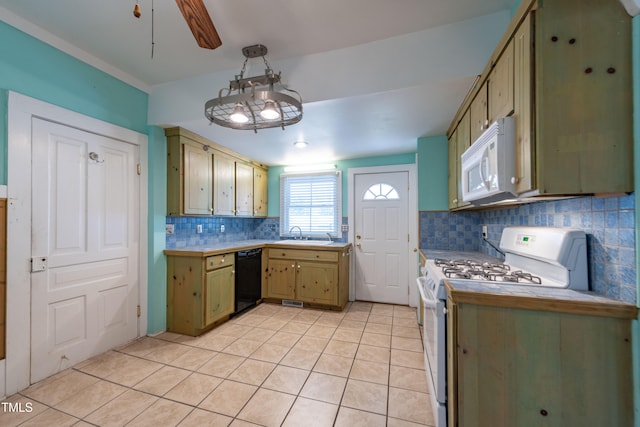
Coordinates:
[35,69]
[341,165]
[636,147]
[433,173]
[157,284]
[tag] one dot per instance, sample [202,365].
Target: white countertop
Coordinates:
[239,245]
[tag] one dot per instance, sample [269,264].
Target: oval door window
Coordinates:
[380,192]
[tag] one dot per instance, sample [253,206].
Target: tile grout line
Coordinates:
[297,396]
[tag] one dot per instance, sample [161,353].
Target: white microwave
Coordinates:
[488,166]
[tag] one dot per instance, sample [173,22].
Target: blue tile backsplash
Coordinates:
[234,229]
[608,222]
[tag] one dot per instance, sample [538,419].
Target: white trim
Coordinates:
[21,109]
[411,169]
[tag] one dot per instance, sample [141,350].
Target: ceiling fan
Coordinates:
[199,21]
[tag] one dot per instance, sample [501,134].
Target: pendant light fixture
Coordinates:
[252,103]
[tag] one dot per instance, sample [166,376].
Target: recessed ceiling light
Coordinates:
[300,144]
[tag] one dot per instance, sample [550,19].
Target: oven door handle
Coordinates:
[428,299]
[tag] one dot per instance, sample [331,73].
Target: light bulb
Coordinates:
[269,112]
[238,115]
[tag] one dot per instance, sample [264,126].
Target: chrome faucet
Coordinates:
[299,230]
[330,238]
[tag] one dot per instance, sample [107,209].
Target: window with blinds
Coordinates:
[311,201]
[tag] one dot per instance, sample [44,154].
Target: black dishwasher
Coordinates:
[248,283]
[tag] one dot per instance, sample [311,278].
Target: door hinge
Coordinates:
[139,311]
[139,169]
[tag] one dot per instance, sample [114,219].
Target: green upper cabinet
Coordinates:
[458,143]
[204,178]
[583,97]
[569,88]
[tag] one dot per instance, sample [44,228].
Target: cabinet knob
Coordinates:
[514,180]
[454,201]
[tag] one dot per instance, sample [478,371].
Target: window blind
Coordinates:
[311,201]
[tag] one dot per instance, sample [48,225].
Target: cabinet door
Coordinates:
[185,294]
[516,367]
[479,113]
[453,170]
[223,185]
[501,85]
[219,294]
[523,100]
[244,189]
[317,282]
[260,192]
[281,278]
[584,120]
[197,181]
[463,142]
[458,144]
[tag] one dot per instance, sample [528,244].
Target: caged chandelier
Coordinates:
[252,102]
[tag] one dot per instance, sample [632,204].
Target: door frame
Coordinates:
[16,373]
[412,245]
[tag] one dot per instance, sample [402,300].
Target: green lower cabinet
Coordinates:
[281,278]
[310,276]
[521,367]
[200,292]
[317,282]
[220,290]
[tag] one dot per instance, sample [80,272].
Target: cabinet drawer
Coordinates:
[304,254]
[218,261]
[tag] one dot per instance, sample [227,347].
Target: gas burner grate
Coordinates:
[493,272]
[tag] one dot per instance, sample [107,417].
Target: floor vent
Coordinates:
[290,303]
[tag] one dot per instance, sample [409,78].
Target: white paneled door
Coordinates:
[84,280]
[382,237]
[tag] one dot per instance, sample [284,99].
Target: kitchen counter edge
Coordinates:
[592,305]
[241,245]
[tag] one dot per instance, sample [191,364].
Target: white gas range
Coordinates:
[542,257]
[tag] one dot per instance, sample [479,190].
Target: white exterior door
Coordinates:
[381,237]
[85,246]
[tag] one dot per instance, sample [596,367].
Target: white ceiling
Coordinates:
[374,75]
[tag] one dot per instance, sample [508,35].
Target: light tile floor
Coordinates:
[271,366]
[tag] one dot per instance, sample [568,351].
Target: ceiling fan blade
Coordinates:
[197,17]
